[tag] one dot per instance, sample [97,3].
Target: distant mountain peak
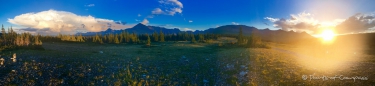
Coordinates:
[139,25]
[109,29]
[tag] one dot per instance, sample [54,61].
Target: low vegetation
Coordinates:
[162,59]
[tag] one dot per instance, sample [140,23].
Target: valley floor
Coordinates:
[180,63]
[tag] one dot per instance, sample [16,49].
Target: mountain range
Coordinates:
[265,34]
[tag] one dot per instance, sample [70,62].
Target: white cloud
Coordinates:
[170,7]
[358,23]
[150,16]
[136,20]
[139,15]
[299,22]
[186,29]
[157,11]
[54,22]
[172,2]
[272,19]
[90,5]
[145,21]
[190,21]
[234,23]
[306,22]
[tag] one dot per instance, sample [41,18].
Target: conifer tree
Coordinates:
[201,38]
[156,37]
[240,37]
[80,38]
[100,39]
[148,43]
[36,40]
[3,34]
[121,38]
[192,39]
[161,36]
[254,40]
[115,40]
[72,38]
[105,38]
[95,38]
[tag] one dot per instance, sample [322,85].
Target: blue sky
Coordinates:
[188,14]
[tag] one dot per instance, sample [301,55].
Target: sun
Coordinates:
[327,35]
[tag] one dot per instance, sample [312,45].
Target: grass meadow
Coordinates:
[181,63]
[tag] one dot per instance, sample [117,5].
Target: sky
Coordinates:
[72,16]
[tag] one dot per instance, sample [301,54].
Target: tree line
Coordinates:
[126,37]
[10,39]
[254,40]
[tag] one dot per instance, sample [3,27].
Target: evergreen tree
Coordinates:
[254,40]
[156,37]
[100,39]
[3,34]
[80,38]
[148,43]
[95,38]
[127,38]
[72,38]
[186,36]
[121,38]
[161,36]
[115,40]
[240,37]
[201,38]
[192,39]
[12,35]
[134,38]
[105,38]
[36,40]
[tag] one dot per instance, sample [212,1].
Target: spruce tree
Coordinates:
[95,38]
[115,40]
[161,36]
[201,38]
[192,39]
[121,38]
[3,34]
[148,43]
[36,40]
[156,37]
[100,39]
[240,37]
[80,38]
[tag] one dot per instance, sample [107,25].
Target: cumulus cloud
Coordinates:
[90,5]
[139,15]
[357,23]
[300,22]
[190,21]
[63,22]
[145,21]
[169,7]
[234,23]
[157,11]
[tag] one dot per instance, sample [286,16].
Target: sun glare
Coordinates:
[327,35]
